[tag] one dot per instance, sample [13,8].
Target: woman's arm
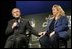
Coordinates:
[63,25]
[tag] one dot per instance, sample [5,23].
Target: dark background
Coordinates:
[5,16]
[33,8]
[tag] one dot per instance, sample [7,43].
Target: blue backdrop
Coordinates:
[33,7]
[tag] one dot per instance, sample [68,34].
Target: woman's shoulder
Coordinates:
[64,17]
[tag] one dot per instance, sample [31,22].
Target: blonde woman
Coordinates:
[57,28]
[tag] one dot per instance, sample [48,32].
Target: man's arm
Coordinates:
[9,28]
[30,28]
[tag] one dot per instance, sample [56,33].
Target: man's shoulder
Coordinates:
[12,20]
[25,20]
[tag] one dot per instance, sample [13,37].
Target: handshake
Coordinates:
[41,33]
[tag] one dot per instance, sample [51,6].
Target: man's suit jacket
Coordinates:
[60,26]
[23,26]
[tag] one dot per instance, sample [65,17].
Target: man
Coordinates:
[17,30]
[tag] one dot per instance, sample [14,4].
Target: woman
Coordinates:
[57,28]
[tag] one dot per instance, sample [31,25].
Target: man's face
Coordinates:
[16,13]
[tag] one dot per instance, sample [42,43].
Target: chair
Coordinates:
[28,35]
[62,42]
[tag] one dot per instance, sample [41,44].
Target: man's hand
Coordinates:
[42,34]
[14,25]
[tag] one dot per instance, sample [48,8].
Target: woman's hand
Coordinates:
[52,33]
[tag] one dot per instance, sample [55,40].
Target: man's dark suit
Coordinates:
[18,36]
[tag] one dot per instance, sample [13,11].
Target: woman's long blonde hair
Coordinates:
[59,8]
[61,11]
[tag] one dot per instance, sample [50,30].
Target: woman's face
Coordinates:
[54,11]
